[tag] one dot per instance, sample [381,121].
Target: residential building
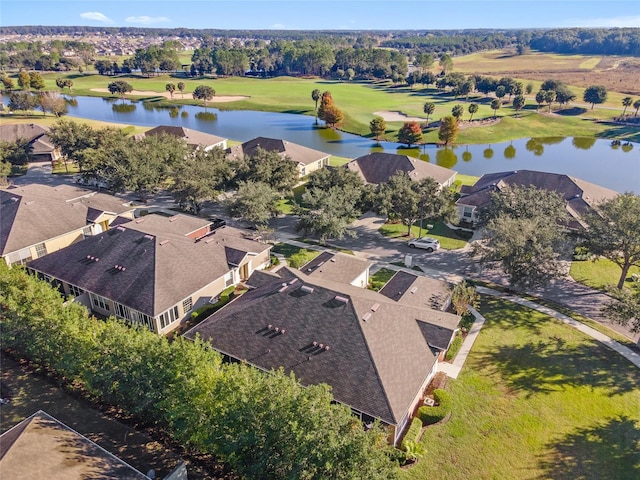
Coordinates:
[35,135]
[339,267]
[580,196]
[374,352]
[379,167]
[154,270]
[39,219]
[307,159]
[193,138]
[41,445]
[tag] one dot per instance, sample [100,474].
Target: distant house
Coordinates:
[39,219]
[153,270]
[307,159]
[579,196]
[339,267]
[379,167]
[193,138]
[41,445]
[36,135]
[374,352]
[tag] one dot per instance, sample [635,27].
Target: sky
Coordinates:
[325,14]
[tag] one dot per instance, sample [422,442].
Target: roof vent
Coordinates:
[341,299]
[293,281]
[14,199]
[164,242]
[333,259]
[375,307]
[149,237]
[282,288]
[140,220]
[121,229]
[414,290]
[367,316]
[174,218]
[306,289]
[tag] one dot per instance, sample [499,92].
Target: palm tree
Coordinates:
[496,103]
[626,102]
[457,111]
[636,105]
[429,108]
[473,108]
[181,88]
[315,96]
[170,87]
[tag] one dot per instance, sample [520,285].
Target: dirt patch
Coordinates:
[397,116]
[178,96]
[485,122]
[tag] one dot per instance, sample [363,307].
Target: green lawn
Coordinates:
[449,239]
[536,399]
[359,101]
[599,274]
[380,278]
[295,256]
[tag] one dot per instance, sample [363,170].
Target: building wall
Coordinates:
[361,280]
[405,420]
[462,209]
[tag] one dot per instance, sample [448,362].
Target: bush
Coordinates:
[298,259]
[467,321]
[455,346]
[431,415]
[582,254]
[275,261]
[413,432]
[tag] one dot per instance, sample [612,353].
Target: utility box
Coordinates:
[408,261]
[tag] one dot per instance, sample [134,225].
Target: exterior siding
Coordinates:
[362,280]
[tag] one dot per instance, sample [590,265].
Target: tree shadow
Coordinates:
[552,364]
[571,112]
[627,132]
[607,450]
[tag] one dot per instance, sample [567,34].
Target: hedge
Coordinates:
[454,348]
[203,312]
[413,432]
[263,425]
[431,415]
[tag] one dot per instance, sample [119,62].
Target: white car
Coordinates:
[427,243]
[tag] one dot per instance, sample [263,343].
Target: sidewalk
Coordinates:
[453,369]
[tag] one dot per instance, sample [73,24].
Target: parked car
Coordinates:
[427,243]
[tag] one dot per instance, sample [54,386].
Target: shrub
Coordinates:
[467,321]
[455,346]
[275,261]
[412,432]
[431,415]
[298,259]
[582,253]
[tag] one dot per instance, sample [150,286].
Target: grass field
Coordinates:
[360,100]
[380,278]
[599,274]
[536,399]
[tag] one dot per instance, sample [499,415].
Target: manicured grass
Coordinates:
[462,179]
[49,120]
[295,256]
[536,399]
[599,274]
[358,101]
[380,278]
[501,61]
[449,239]
[60,168]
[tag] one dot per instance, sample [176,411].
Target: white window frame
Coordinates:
[41,250]
[228,279]
[99,302]
[168,317]
[187,305]
[75,291]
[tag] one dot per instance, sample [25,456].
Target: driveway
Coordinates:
[40,172]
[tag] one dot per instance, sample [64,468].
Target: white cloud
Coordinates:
[96,16]
[631,21]
[278,26]
[146,20]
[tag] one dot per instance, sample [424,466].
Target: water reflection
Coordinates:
[466,155]
[615,144]
[550,140]
[123,107]
[184,114]
[206,116]
[488,153]
[534,146]
[510,152]
[446,157]
[627,147]
[583,143]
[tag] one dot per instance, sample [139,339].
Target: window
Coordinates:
[21,257]
[169,317]
[141,318]
[187,305]
[41,250]
[75,291]
[99,302]
[228,279]
[467,212]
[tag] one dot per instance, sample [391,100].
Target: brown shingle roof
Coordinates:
[31,214]
[293,151]
[376,361]
[379,167]
[416,290]
[338,267]
[42,447]
[36,135]
[161,268]
[192,137]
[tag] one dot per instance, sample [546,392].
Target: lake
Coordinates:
[615,165]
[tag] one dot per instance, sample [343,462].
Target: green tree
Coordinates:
[626,102]
[564,95]
[24,80]
[625,308]
[119,87]
[170,87]
[473,109]
[595,94]
[21,101]
[540,96]
[16,153]
[614,232]
[523,232]
[255,202]
[377,126]
[549,97]
[279,172]
[428,109]
[465,89]
[36,81]
[496,103]
[52,102]
[72,138]
[446,62]
[448,130]
[315,96]
[200,177]
[636,105]
[501,91]
[529,88]
[181,88]
[410,133]
[5,170]
[7,82]
[463,297]
[457,111]
[60,83]
[519,102]
[204,93]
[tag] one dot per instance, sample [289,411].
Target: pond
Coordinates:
[612,164]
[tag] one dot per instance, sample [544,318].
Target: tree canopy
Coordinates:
[410,133]
[448,130]
[595,94]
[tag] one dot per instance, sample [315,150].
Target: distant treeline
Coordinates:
[589,41]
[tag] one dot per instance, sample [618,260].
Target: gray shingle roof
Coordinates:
[293,151]
[194,138]
[376,361]
[416,290]
[161,268]
[31,214]
[376,168]
[338,267]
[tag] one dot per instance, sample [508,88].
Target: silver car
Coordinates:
[427,243]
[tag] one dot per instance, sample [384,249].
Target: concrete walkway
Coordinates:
[453,369]
[627,353]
